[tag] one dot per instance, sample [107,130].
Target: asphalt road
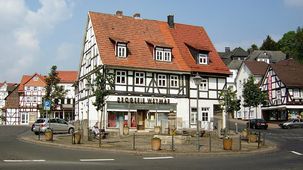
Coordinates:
[15,154]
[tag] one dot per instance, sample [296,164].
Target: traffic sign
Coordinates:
[47,104]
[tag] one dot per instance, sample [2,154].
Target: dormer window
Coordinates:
[163,54]
[121,50]
[202,59]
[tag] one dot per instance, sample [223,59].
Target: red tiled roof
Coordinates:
[67,76]
[141,32]
[257,67]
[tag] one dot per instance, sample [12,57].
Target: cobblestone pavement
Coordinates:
[141,142]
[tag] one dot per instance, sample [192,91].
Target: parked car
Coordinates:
[292,123]
[55,124]
[257,124]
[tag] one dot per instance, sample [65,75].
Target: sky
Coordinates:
[36,34]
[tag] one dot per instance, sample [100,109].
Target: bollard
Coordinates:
[240,142]
[263,142]
[172,143]
[259,136]
[73,138]
[209,142]
[39,137]
[236,124]
[134,141]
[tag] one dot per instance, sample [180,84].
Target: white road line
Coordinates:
[151,158]
[297,153]
[20,161]
[95,160]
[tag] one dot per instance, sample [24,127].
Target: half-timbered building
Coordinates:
[5,89]
[149,66]
[25,101]
[283,82]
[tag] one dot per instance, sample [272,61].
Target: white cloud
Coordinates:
[22,31]
[65,52]
[294,3]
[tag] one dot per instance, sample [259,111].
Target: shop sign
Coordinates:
[138,100]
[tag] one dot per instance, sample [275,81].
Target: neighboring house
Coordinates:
[236,54]
[5,89]
[234,67]
[257,70]
[151,65]
[25,102]
[283,82]
[267,56]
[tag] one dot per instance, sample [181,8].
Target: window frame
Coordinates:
[121,50]
[121,76]
[174,81]
[163,54]
[204,84]
[202,58]
[193,116]
[140,76]
[162,80]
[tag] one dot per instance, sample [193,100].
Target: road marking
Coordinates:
[19,161]
[95,160]
[166,157]
[297,153]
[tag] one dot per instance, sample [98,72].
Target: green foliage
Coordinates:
[53,91]
[3,118]
[269,44]
[228,99]
[252,48]
[252,94]
[100,89]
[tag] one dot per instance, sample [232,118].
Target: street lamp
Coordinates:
[197,80]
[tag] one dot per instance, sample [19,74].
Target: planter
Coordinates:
[48,135]
[157,129]
[252,138]
[125,130]
[155,144]
[77,136]
[227,143]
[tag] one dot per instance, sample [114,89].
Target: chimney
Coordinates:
[119,13]
[137,15]
[227,49]
[170,21]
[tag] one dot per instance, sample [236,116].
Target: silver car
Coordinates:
[55,124]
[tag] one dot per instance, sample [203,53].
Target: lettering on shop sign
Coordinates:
[138,100]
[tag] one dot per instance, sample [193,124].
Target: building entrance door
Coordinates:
[141,116]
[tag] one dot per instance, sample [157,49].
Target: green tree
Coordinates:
[100,90]
[287,43]
[252,94]
[53,91]
[229,100]
[269,44]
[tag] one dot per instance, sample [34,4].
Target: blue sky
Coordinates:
[36,34]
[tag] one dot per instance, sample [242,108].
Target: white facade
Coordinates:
[143,98]
[241,79]
[3,94]
[231,80]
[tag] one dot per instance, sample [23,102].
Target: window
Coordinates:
[163,54]
[161,80]
[121,50]
[202,59]
[35,88]
[139,78]
[34,99]
[296,93]
[121,77]
[174,81]
[204,116]
[204,85]
[28,88]
[193,115]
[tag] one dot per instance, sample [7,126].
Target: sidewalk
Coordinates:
[182,144]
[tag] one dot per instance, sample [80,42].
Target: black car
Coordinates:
[257,124]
